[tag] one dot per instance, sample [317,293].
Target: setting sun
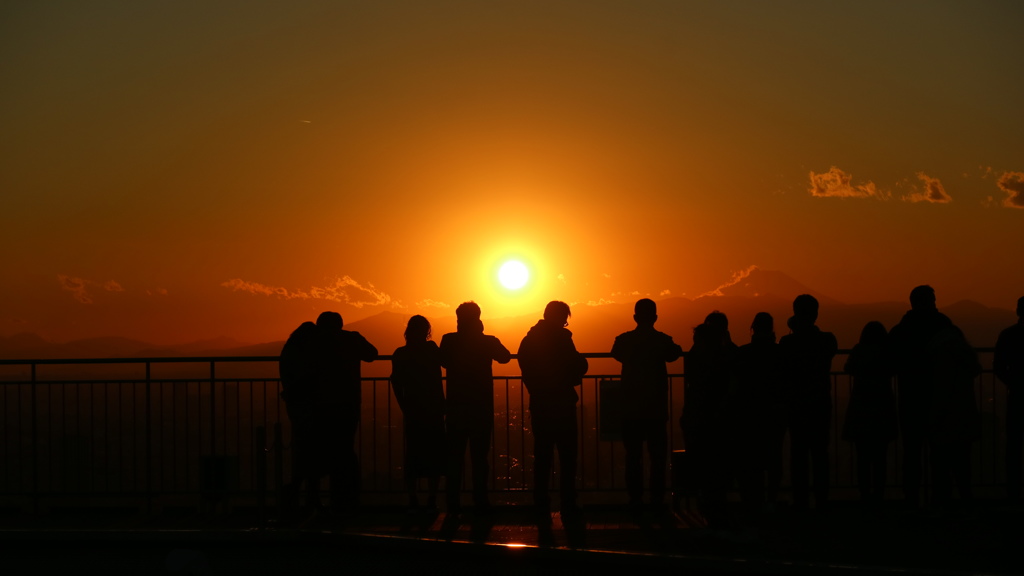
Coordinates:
[513,275]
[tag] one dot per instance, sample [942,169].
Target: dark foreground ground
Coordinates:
[987,538]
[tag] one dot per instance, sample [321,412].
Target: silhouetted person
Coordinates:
[761,412]
[871,422]
[552,368]
[1008,365]
[466,355]
[953,420]
[910,340]
[709,426]
[298,364]
[339,400]
[643,353]
[416,380]
[808,353]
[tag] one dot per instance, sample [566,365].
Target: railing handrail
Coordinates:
[208,359]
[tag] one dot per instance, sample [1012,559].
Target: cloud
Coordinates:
[76,286]
[737,277]
[561,277]
[933,192]
[157,292]
[600,302]
[343,289]
[836,183]
[80,287]
[664,292]
[1013,184]
[428,303]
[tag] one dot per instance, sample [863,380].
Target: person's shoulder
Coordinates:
[1011,332]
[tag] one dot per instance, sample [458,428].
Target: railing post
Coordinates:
[261,473]
[213,466]
[279,464]
[35,444]
[149,441]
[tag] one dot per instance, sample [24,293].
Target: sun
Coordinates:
[513,275]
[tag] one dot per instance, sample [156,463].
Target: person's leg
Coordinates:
[633,442]
[457,439]
[568,453]
[799,465]
[1014,442]
[657,453]
[479,447]
[543,458]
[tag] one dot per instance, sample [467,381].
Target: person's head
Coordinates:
[645,312]
[557,312]
[417,330]
[805,309]
[329,321]
[873,333]
[763,326]
[718,326]
[468,317]
[922,298]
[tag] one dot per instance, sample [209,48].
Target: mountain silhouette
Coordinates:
[594,327]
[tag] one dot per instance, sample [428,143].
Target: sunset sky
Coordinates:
[172,171]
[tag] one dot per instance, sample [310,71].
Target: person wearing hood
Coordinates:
[552,368]
[914,363]
[467,355]
[807,354]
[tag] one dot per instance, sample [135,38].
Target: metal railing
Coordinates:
[166,432]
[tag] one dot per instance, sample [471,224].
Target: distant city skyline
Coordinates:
[173,172]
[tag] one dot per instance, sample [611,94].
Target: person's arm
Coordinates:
[618,349]
[499,353]
[1002,360]
[367,351]
[673,351]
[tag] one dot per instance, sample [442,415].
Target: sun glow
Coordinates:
[513,275]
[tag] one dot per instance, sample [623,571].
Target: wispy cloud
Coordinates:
[838,184]
[1013,184]
[80,287]
[664,292]
[77,287]
[561,277]
[737,277]
[343,289]
[428,303]
[157,292]
[600,302]
[933,191]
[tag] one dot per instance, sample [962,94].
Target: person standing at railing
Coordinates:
[644,353]
[339,400]
[552,368]
[871,422]
[762,411]
[708,421]
[467,355]
[910,340]
[807,353]
[298,390]
[416,380]
[1008,365]
[953,419]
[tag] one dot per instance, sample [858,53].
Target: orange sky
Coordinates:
[185,170]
